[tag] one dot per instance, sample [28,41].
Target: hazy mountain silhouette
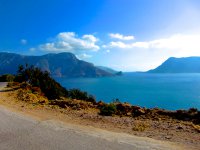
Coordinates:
[179,65]
[60,65]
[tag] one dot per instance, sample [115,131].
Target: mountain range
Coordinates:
[179,65]
[58,65]
[68,65]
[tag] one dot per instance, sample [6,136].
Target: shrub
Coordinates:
[81,95]
[91,98]
[140,126]
[27,96]
[7,78]
[36,90]
[108,110]
[77,94]
[37,78]
[196,127]
[193,111]
[41,80]
[116,101]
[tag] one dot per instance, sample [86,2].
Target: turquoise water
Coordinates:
[168,91]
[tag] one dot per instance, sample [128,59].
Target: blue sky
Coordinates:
[128,35]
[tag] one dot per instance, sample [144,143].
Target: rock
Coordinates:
[168,137]
[123,109]
[179,127]
[135,107]
[129,114]
[137,111]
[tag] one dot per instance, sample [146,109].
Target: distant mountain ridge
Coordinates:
[110,70]
[179,65]
[107,69]
[59,65]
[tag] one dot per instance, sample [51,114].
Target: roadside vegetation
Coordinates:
[7,78]
[30,77]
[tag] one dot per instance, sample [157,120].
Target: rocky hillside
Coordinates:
[59,65]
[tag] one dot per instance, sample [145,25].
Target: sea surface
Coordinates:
[167,91]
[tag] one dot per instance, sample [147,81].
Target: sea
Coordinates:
[150,90]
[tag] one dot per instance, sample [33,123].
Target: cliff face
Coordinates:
[179,65]
[59,65]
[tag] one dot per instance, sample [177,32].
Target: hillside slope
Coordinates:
[179,65]
[59,65]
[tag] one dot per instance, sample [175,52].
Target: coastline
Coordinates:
[181,133]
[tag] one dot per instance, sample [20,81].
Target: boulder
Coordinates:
[137,111]
[123,109]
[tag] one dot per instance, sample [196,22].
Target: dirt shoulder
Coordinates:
[170,130]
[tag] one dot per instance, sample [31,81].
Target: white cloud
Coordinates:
[23,41]
[123,45]
[70,42]
[121,37]
[90,38]
[83,56]
[149,54]
[119,44]
[140,45]
[176,42]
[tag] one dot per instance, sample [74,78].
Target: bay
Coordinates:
[167,91]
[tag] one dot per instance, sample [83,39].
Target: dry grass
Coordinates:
[197,128]
[28,96]
[140,126]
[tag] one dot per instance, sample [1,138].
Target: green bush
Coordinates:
[52,89]
[91,98]
[81,95]
[7,78]
[38,78]
[108,110]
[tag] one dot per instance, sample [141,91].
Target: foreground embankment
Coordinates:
[23,132]
[153,125]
